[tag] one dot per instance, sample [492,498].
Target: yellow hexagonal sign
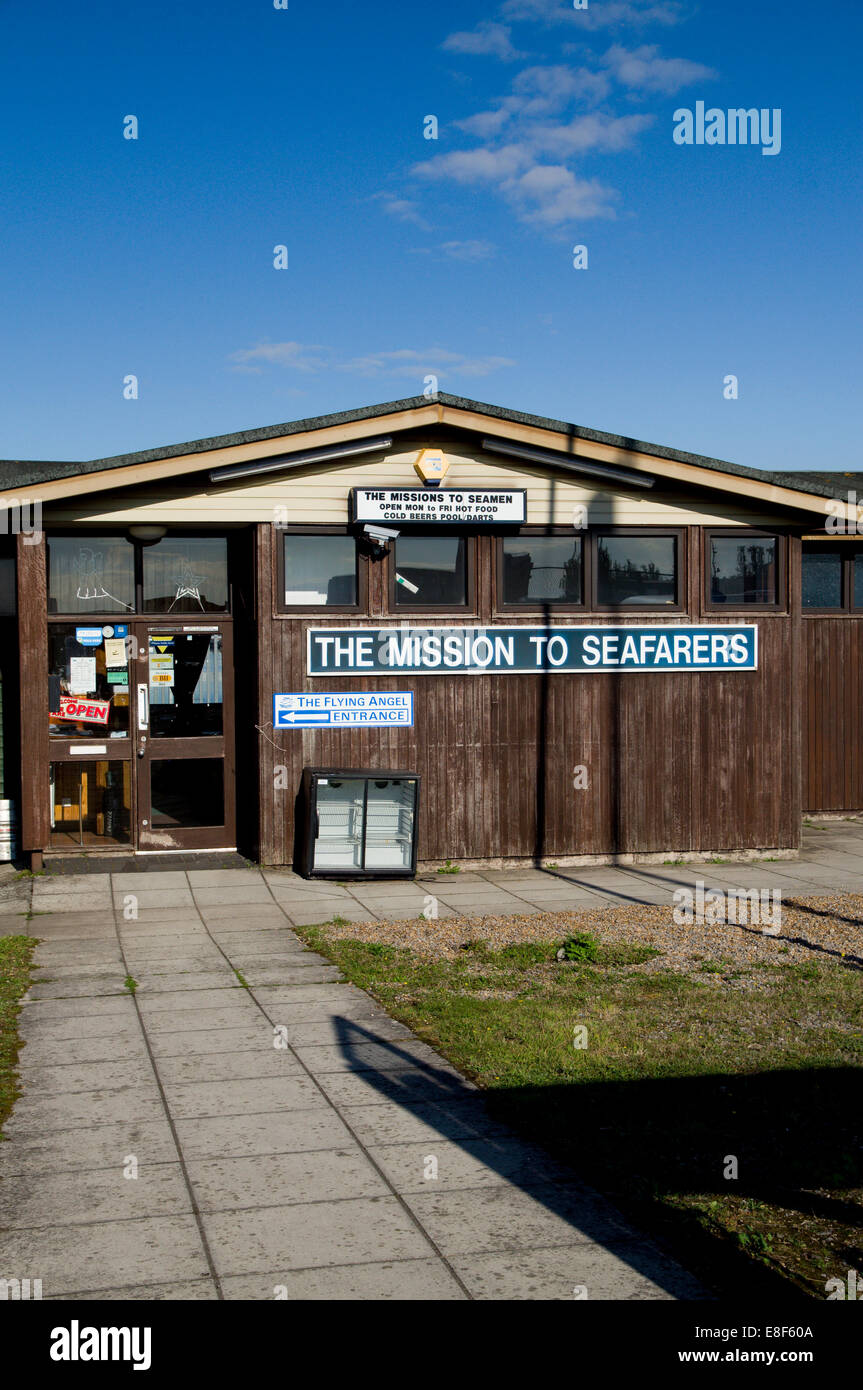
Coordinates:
[432,465]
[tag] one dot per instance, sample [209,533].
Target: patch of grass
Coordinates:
[130,983]
[449,868]
[243,981]
[16,953]
[673,1080]
[338,921]
[579,946]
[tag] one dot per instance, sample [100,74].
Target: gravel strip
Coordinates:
[818,928]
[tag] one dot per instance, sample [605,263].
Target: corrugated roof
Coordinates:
[16,473]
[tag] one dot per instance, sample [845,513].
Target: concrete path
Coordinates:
[201,1139]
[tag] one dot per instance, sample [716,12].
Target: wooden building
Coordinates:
[613,649]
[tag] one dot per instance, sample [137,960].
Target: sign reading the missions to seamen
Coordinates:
[425,505]
[472,650]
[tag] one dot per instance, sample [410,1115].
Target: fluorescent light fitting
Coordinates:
[572,465]
[286,461]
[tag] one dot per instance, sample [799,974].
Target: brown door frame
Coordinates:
[147,749]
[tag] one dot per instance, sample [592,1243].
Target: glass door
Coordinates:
[339,823]
[182,716]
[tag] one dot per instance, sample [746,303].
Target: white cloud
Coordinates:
[476,166]
[594,132]
[300,356]
[543,90]
[468,250]
[600,14]
[551,194]
[399,362]
[403,209]
[642,69]
[488,38]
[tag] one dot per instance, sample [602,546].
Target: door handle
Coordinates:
[143,707]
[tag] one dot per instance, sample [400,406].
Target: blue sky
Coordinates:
[408,257]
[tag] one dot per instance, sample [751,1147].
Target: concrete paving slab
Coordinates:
[108,1253]
[225,1041]
[45,1050]
[166,1001]
[478,1220]
[88,988]
[121,1027]
[189,1020]
[152,880]
[68,903]
[186,981]
[69,1199]
[468,1163]
[104,1146]
[224,895]
[330,1030]
[407,1087]
[271,1132]
[52,1009]
[189,1290]
[83,1109]
[425,1123]
[367,1056]
[313,1234]
[88,884]
[253,916]
[225,1184]
[620,1272]
[236,878]
[261,1062]
[307,918]
[65,1078]
[154,897]
[398,1281]
[187,1100]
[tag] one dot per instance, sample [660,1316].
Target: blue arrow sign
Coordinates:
[346,709]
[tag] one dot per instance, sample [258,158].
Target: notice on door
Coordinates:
[161,665]
[360,709]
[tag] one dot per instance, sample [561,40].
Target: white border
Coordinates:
[369,673]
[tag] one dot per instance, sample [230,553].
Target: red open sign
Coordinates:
[90,711]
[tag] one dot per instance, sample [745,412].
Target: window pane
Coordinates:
[542,569]
[7,586]
[822,578]
[435,567]
[187,792]
[743,571]
[858,581]
[320,570]
[91,574]
[186,574]
[636,569]
[185,677]
[90,803]
[86,697]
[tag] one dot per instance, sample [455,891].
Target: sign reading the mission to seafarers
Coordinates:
[507,506]
[343,710]
[440,651]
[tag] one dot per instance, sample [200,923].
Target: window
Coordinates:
[320,571]
[186,574]
[743,569]
[7,586]
[429,571]
[90,803]
[822,577]
[832,578]
[87,698]
[634,569]
[541,569]
[91,574]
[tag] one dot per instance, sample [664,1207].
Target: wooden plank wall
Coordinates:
[33,668]
[674,762]
[833,746]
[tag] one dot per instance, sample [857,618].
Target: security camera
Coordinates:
[380,535]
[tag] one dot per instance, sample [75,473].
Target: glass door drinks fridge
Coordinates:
[358,822]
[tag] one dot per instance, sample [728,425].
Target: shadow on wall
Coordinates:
[796,1135]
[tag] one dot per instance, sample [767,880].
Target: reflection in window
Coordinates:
[822,577]
[90,803]
[88,695]
[187,792]
[185,678]
[542,569]
[637,570]
[743,569]
[434,569]
[90,574]
[186,574]
[320,570]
